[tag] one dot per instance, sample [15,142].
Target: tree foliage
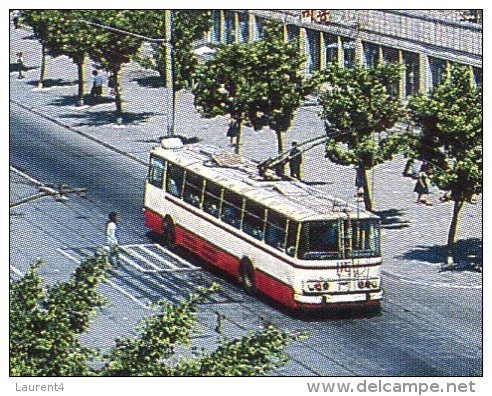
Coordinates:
[225,85]
[280,81]
[357,108]
[187,26]
[46,322]
[450,142]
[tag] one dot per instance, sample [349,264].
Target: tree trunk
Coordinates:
[81,88]
[118,95]
[42,74]
[280,169]
[453,230]
[367,187]
[239,143]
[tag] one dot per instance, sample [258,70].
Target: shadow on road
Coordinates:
[51,82]
[392,219]
[150,82]
[107,117]
[468,255]
[14,67]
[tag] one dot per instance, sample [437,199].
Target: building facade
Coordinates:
[427,42]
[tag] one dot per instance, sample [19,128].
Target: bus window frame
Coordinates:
[172,164]
[164,171]
[230,204]
[198,188]
[285,219]
[246,213]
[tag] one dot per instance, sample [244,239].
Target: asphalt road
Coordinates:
[425,328]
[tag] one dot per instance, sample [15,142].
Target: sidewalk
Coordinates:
[414,235]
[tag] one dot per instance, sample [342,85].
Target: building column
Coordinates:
[423,73]
[322,51]
[339,51]
[401,84]
[222,27]
[251,27]
[236,27]
[302,45]
[359,52]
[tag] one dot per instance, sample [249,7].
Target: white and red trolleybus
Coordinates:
[282,238]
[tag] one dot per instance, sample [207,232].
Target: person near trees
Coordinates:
[97,84]
[296,161]
[233,132]
[112,238]
[422,188]
[19,62]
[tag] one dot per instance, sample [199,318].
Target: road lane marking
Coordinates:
[15,170]
[139,256]
[16,271]
[111,283]
[174,256]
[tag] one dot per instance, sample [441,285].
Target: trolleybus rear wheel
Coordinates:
[168,233]
[247,276]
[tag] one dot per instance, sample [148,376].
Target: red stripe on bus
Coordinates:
[207,251]
[274,289]
[153,221]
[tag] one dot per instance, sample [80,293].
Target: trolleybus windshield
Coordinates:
[321,240]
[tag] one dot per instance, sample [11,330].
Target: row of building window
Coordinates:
[322,48]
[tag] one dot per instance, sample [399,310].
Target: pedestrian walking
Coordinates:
[19,64]
[111,84]
[97,84]
[422,189]
[296,161]
[359,183]
[112,238]
[233,132]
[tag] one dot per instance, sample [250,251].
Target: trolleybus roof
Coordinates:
[290,197]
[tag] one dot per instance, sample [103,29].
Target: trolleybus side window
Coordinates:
[211,200]
[232,208]
[193,189]
[174,180]
[156,171]
[276,230]
[292,238]
[365,238]
[254,220]
[319,240]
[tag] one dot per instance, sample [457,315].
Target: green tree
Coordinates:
[39,22]
[187,27]
[357,107]
[45,322]
[67,37]
[450,142]
[225,85]
[112,49]
[280,82]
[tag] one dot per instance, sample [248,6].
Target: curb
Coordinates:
[86,135]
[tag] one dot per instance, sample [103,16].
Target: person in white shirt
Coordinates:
[112,239]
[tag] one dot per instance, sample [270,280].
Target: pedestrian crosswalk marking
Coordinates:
[133,255]
[111,283]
